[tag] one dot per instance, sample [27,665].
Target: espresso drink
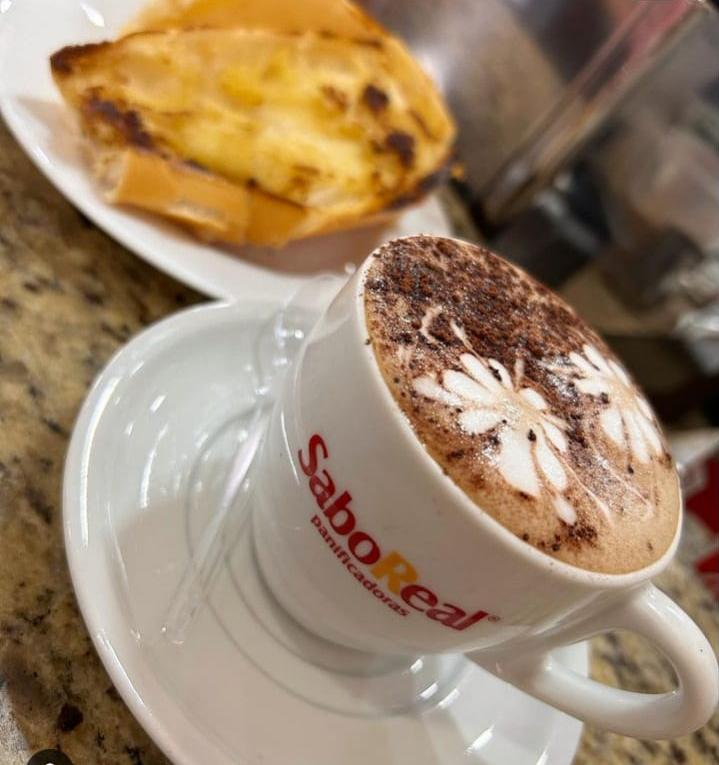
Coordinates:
[521,404]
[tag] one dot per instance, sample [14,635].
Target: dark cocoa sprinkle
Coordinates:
[441,329]
[523,495]
[375,99]
[604,398]
[396,380]
[367,341]
[556,546]
[525,537]
[650,547]
[577,437]
[581,532]
[486,303]
[456,454]
[503,315]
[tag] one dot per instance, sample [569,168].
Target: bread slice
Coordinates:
[255,135]
[338,17]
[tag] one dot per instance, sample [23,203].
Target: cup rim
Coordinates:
[529,553]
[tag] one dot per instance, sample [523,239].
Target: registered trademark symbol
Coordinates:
[50,757]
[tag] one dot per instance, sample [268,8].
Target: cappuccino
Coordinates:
[521,404]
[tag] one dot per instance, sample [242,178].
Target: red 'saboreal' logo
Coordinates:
[390,576]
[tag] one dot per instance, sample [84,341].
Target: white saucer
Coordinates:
[30,31]
[147,460]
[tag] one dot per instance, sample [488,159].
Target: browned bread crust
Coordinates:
[255,135]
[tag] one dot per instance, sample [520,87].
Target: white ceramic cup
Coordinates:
[365,542]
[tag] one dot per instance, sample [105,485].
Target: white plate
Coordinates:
[147,458]
[31,30]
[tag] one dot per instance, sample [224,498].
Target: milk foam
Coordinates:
[521,404]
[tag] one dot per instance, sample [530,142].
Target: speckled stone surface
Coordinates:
[625,660]
[69,297]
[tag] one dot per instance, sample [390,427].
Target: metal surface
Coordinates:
[530,80]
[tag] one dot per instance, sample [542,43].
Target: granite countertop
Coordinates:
[69,297]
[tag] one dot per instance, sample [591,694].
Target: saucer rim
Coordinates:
[74,483]
[176,741]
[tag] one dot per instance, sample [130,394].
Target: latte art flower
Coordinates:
[520,404]
[530,439]
[627,419]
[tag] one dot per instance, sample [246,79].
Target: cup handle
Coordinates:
[648,612]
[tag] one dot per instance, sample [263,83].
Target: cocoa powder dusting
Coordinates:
[431,301]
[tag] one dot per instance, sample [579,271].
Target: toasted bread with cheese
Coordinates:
[257,135]
[338,17]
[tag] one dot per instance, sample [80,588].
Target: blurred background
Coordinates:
[589,154]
